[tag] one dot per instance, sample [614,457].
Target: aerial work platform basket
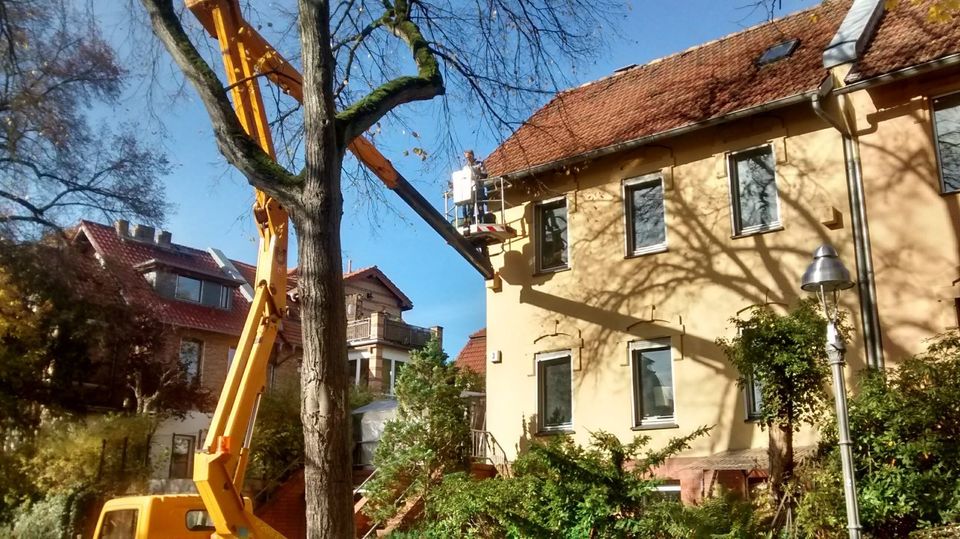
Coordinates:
[474,204]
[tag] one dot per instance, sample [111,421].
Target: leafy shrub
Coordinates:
[277,443]
[429,435]
[905,425]
[58,516]
[67,454]
[559,489]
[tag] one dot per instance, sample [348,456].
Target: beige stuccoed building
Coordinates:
[654,205]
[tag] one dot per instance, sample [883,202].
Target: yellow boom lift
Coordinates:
[220,511]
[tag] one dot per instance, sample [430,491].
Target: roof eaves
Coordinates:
[647,139]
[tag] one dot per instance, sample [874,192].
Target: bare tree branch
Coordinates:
[234,143]
[427,84]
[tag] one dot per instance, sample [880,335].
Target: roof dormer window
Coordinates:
[778,52]
[203,292]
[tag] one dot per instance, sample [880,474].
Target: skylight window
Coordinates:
[778,52]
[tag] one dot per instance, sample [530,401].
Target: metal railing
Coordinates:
[485,448]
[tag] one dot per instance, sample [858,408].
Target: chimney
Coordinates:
[164,238]
[122,226]
[144,233]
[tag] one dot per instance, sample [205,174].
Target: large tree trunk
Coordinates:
[780,453]
[329,501]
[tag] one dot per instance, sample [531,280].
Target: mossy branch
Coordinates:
[234,143]
[427,84]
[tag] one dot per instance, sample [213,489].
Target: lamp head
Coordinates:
[826,272]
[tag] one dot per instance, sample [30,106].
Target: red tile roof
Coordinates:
[474,353]
[908,36]
[124,254]
[713,80]
[698,84]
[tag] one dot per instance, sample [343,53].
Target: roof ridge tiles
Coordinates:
[637,67]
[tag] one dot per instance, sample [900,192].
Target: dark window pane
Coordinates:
[188,289]
[947,118]
[645,215]
[190,354]
[755,189]
[180,455]
[556,406]
[120,524]
[199,520]
[653,382]
[754,398]
[212,294]
[552,224]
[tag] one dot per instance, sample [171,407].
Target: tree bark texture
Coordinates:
[780,453]
[324,404]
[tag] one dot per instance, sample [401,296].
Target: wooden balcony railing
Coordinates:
[379,327]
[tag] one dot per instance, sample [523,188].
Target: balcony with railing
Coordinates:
[379,327]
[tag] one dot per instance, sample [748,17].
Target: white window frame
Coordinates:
[627,186]
[734,184]
[225,292]
[392,374]
[538,234]
[356,369]
[936,139]
[541,394]
[650,344]
[231,353]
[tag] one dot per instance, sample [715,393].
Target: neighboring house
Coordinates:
[657,203]
[203,297]
[378,340]
[473,355]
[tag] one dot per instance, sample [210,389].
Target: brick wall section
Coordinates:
[286,511]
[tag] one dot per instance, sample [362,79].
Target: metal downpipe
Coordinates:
[866,284]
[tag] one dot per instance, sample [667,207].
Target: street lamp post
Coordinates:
[826,277]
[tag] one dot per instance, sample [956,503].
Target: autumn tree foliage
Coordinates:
[69,340]
[56,161]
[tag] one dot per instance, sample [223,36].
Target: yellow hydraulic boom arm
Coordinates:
[220,464]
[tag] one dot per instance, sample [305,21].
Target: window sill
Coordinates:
[755,420]
[655,250]
[539,273]
[656,426]
[773,228]
[555,432]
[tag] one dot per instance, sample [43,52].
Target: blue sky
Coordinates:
[212,203]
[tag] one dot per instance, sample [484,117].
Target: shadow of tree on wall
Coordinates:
[622,298]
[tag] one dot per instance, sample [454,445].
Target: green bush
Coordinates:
[560,489]
[429,435]
[905,425]
[67,453]
[58,516]
[277,443]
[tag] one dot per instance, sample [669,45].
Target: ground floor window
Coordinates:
[669,489]
[555,391]
[754,398]
[653,399]
[181,456]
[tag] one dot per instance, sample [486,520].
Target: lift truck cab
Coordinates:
[174,516]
